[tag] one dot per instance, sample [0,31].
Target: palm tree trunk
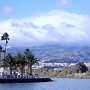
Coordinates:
[22,71]
[10,72]
[30,70]
[0,52]
[0,55]
[5,49]
[5,53]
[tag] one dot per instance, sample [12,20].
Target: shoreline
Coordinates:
[63,73]
[24,80]
[77,76]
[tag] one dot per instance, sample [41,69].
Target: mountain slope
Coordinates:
[56,53]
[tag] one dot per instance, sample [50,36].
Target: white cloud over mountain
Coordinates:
[54,27]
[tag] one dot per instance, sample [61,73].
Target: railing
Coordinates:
[19,76]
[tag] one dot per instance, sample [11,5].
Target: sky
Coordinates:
[37,22]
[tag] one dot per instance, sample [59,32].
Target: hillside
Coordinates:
[56,53]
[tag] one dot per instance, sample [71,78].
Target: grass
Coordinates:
[61,73]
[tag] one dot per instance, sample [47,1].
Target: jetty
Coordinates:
[24,80]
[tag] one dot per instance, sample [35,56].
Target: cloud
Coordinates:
[54,27]
[62,4]
[7,10]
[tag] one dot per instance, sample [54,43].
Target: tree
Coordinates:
[31,60]
[9,61]
[5,37]
[81,67]
[0,51]
[20,61]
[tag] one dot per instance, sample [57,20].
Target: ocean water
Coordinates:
[57,84]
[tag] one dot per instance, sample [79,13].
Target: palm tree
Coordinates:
[9,61]
[0,51]
[20,61]
[5,37]
[31,60]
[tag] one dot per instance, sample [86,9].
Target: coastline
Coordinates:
[77,76]
[24,80]
[62,74]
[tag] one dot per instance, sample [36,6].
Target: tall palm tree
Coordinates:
[31,60]
[5,37]
[9,61]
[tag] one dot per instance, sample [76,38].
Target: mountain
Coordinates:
[56,53]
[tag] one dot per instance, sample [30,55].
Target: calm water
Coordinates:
[57,84]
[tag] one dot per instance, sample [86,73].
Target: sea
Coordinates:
[56,84]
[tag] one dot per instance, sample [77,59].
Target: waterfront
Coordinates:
[57,84]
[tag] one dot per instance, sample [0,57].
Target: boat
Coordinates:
[24,80]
